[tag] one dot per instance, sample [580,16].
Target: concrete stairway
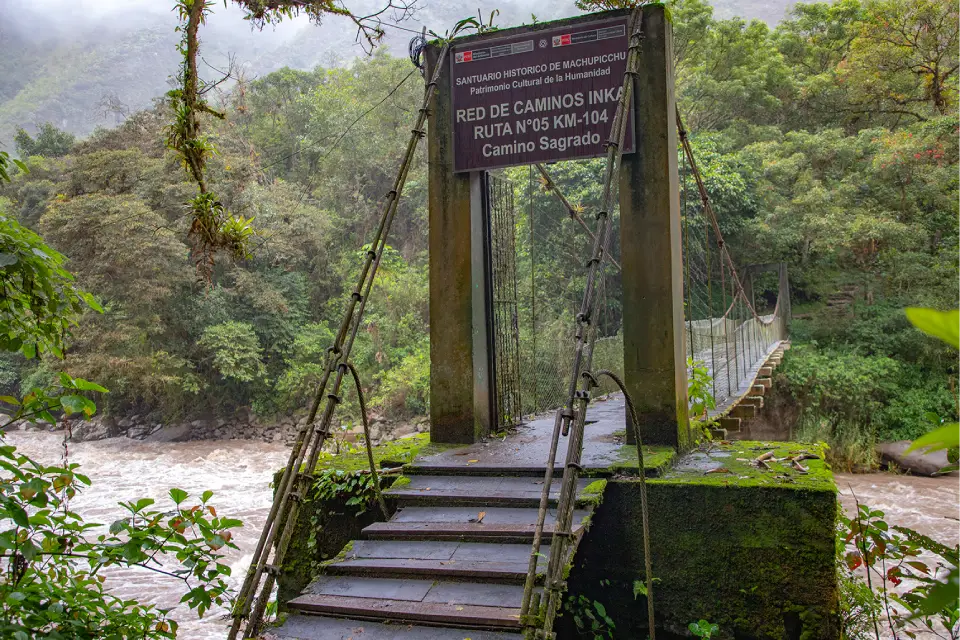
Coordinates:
[734,424]
[450,564]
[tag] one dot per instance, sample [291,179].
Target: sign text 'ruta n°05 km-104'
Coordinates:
[542,96]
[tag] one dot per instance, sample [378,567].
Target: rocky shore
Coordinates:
[242,426]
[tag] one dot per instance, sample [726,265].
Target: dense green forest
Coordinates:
[828,142]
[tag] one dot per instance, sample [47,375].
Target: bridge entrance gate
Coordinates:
[522,97]
[536,287]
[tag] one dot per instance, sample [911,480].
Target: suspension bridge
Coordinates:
[479,541]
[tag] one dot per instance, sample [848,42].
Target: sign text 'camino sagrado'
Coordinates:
[538,97]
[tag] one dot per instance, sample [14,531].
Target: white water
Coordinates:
[237,471]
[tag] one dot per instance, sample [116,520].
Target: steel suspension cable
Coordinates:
[285,508]
[573,412]
[750,329]
[550,185]
[711,216]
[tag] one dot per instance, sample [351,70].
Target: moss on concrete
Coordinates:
[734,464]
[656,460]
[592,494]
[395,453]
[749,549]
[402,481]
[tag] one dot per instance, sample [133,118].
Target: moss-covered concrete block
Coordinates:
[749,548]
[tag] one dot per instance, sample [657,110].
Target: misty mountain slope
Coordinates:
[60,59]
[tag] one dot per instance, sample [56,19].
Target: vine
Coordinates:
[213,228]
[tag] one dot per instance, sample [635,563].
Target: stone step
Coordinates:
[474,532]
[476,491]
[312,627]
[766,383]
[744,411]
[732,425]
[408,611]
[475,561]
[756,401]
[765,372]
[758,389]
[499,524]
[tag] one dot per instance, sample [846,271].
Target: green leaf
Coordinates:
[142,504]
[944,325]
[946,437]
[639,589]
[91,301]
[178,495]
[7,259]
[942,596]
[77,404]
[18,515]
[206,495]
[86,385]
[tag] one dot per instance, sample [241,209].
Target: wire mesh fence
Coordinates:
[552,247]
[725,330]
[506,326]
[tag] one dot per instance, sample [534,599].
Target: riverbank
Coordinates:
[243,425]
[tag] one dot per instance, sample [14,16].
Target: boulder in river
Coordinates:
[916,462]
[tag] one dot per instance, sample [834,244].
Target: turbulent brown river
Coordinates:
[239,473]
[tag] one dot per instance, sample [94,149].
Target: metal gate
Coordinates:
[502,251]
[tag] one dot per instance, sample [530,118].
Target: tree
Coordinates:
[51,584]
[903,61]
[49,142]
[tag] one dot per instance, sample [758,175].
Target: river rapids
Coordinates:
[239,473]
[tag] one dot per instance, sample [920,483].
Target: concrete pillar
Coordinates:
[654,355]
[459,382]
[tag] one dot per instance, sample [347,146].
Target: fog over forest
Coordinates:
[65,60]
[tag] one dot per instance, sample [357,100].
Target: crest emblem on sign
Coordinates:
[556,41]
[459,56]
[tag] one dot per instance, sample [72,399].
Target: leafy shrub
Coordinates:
[235,350]
[405,389]
[52,583]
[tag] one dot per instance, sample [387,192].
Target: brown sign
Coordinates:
[538,97]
